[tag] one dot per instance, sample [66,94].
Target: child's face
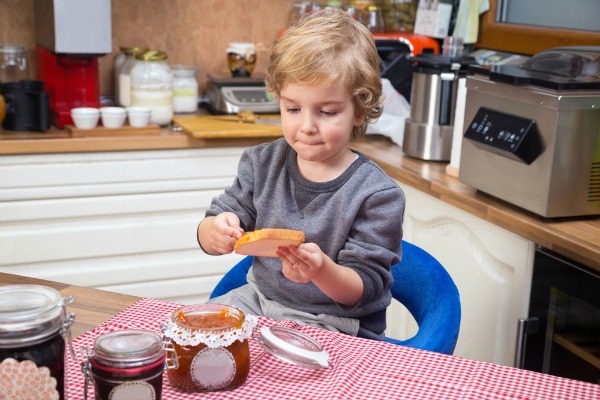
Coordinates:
[317,121]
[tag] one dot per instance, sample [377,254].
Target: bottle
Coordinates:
[375,23]
[124,92]
[185,89]
[118,65]
[152,86]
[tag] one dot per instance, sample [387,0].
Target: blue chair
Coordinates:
[421,284]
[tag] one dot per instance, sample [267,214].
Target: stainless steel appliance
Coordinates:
[428,131]
[232,95]
[533,132]
[561,335]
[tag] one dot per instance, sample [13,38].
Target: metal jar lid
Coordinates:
[29,314]
[152,55]
[293,347]
[128,348]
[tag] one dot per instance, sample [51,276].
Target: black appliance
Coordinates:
[561,336]
[27,106]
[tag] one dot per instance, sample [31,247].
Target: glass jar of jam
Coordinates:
[33,327]
[127,364]
[211,344]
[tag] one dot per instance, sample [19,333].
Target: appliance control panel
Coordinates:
[504,134]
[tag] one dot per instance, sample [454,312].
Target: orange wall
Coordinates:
[194,32]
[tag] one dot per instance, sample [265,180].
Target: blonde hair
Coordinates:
[326,48]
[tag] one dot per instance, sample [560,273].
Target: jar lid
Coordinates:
[293,347]
[184,70]
[240,48]
[12,49]
[151,55]
[128,348]
[29,313]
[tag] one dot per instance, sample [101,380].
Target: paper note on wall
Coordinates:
[433,19]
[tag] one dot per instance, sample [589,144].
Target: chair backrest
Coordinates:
[426,289]
[421,284]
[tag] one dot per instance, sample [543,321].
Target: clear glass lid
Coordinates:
[293,347]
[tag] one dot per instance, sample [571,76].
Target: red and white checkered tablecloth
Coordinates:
[361,369]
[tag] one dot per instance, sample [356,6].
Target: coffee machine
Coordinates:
[70,36]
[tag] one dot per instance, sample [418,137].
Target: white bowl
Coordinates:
[139,116]
[85,117]
[113,117]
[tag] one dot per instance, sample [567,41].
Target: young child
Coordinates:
[325,73]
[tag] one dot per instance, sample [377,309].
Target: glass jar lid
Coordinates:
[151,55]
[184,70]
[29,313]
[128,348]
[293,347]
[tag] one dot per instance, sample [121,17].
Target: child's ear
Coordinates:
[359,119]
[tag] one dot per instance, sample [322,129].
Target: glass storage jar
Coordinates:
[185,89]
[13,63]
[152,86]
[127,364]
[211,344]
[33,327]
[123,94]
[241,59]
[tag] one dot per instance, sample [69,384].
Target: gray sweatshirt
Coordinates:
[356,219]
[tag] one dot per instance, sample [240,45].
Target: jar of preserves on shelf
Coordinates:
[211,344]
[185,89]
[152,86]
[127,364]
[33,328]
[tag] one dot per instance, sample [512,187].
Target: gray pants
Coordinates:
[252,301]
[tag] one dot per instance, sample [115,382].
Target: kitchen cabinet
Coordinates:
[491,267]
[119,221]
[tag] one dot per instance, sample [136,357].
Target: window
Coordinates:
[515,36]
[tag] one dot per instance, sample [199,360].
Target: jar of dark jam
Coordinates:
[126,364]
[211,344]
[33,326]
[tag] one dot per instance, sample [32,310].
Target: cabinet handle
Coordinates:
[525,326]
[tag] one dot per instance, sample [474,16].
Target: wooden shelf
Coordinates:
[583,346]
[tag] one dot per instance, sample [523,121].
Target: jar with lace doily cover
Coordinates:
[211,344]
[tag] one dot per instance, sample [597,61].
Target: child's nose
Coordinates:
[308,124]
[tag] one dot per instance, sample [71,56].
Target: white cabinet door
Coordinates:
[121,221]
[491,267]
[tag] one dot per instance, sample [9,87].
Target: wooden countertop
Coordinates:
[91,306]
[575,238]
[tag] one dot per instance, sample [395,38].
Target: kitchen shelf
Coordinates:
[583,346]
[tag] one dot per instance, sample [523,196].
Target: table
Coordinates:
[361,368]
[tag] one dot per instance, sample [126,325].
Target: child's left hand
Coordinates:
[303,263]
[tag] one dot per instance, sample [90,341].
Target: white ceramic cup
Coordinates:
[139,116]
[85,117]
[113,117]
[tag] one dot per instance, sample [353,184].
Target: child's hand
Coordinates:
[303,263]
[225,232]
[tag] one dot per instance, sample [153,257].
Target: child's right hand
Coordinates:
[225,232]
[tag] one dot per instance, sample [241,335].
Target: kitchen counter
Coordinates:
[575,238]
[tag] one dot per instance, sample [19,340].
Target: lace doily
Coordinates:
[223,338]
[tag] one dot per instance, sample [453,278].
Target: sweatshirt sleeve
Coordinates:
[375,242]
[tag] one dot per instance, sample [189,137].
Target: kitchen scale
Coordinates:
[232,95]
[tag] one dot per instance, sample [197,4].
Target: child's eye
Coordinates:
[292,110]
[328,113]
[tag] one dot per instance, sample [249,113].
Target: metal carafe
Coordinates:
[428,131]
